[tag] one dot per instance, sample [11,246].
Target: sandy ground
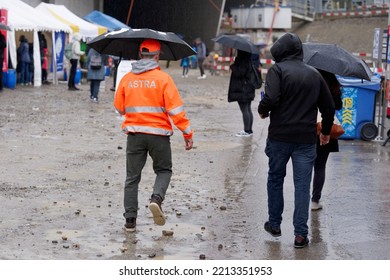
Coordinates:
[63,169]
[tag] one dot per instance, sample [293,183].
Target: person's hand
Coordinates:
[324,139]
[189,143]
[263,116]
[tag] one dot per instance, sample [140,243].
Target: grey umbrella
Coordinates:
[237,42]
[4,27]
[335,59]
[125,43]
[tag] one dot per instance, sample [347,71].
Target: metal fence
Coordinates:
[309,7]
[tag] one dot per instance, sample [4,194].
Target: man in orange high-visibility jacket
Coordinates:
[149,100]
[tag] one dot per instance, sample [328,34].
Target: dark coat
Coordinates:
[3,45]
[294,91]
[335,88]
[239,89]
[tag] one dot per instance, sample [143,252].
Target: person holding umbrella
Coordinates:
[149,100]
[323,151]
[294,92]
[240,89]
[241,85]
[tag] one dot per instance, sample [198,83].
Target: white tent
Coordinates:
[22,17]
[77,24]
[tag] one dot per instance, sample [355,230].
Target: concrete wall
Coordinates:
[191,18]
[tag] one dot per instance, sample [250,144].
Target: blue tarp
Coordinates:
[105,20]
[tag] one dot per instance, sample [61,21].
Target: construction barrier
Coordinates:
[223,63]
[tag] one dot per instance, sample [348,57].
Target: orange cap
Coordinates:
[150,46]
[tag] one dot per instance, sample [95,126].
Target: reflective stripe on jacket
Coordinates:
[150,101]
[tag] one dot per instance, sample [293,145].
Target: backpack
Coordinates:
[255,79]
[69,51]
[95,61]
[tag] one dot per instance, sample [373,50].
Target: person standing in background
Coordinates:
[44,58]
[3,45]
[201,56]
[24,60]
[241,91]
[96,73]
[76,54]
[185,64]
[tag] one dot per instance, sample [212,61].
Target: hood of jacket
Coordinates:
[76,37]
[287,47]
[143,65]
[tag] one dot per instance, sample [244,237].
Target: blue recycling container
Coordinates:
[11,78]
[358,112]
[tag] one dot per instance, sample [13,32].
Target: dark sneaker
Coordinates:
[155,208]
[300,241]
[130,224]
[274,232]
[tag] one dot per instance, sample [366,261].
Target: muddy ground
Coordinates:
[63,169]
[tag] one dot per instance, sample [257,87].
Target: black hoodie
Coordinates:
[294,91]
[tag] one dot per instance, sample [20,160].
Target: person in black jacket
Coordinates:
[3,45]
[241,91]
[324,150]
[294,92]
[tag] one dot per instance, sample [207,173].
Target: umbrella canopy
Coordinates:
[4,27]
[237,42]
[334,59]
[125,43]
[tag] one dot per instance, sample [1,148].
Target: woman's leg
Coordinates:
[247,116]
[319,174]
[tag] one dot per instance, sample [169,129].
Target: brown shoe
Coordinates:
[155,208]
[130,224]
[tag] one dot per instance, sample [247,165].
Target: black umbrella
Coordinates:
[4,27]
[334,59]
[125,43]
[237,42]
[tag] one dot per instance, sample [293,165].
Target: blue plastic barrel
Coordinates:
[77,78]
[11,78]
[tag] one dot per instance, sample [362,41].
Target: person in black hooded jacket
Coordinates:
[241,91]
[294,92]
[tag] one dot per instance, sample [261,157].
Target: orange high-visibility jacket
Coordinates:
[149,100]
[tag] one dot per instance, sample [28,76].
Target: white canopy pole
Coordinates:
[37,61]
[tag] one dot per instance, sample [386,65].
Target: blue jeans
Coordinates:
[303,157]
[94,88]
[24,72]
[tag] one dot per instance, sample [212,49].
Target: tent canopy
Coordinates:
[23,17]
[77,24]
[100,18]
